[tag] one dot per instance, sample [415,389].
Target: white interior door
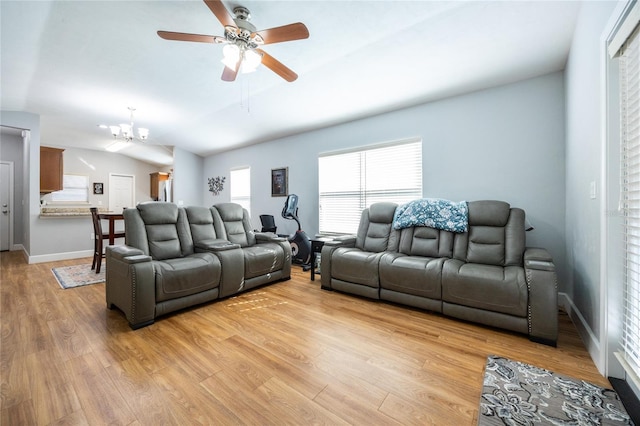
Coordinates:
[121,192]
[6,208]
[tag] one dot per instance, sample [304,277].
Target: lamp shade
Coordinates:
[231,54]
[252,60]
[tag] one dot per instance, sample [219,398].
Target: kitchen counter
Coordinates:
[67,211]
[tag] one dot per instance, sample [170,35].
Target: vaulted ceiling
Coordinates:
[82,63]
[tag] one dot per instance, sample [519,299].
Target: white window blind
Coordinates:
[630,169]
[75,188]
[349,182]
[240,187]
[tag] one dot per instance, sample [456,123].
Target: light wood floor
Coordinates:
[288,353]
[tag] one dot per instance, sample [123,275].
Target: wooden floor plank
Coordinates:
[286,353]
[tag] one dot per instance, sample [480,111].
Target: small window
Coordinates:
[240,187]
[75,189]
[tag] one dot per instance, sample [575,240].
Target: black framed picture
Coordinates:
[98,188]
[279,182]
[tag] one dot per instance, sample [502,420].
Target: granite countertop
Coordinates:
[67,211]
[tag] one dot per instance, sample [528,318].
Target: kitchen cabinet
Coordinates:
[51,167]
[160,186]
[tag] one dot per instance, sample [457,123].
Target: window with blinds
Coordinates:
[240,187]
[75,188]
[630,179]
[351,181]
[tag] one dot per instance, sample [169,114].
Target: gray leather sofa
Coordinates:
[485,275]
[175,258]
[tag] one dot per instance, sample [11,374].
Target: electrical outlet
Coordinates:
[592,190]
[92,236]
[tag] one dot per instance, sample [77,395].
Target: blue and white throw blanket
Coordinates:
[433,212]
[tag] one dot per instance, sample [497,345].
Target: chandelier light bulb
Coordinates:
[125,132]
[143,133]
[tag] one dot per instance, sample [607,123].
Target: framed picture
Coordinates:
[98,188]
[279,182]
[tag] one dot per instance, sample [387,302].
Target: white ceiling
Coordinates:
[82,63]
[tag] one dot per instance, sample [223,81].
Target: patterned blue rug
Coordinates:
[515,393]
[78,275]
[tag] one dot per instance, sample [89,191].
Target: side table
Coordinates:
[316,247]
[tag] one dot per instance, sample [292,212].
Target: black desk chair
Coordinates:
[268,223]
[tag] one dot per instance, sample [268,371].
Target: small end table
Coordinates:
[316,247]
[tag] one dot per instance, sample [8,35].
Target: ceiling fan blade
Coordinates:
[278,67]
[289,32]
[170,35]
[221,12]
[228,74]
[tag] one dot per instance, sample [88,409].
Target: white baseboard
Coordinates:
[17,247]
[59,256]
[586,333]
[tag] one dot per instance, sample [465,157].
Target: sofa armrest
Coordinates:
[215,245]
[328,249]
[542,282]
[343,241]
[268,237]
[130,284]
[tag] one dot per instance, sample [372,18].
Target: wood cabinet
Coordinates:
[51,167]
[156,178]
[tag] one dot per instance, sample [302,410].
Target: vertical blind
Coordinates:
[349,182]
[240,187]
[630,174]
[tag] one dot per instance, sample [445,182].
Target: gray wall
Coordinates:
[188,176]
[584,163]
[505,143]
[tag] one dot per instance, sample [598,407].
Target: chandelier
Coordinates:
[127,130]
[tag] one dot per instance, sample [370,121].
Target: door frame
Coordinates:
[11,201]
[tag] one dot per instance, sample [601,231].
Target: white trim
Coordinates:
[59,256]
[586,333]
[625,24]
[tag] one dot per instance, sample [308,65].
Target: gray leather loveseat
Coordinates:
[485,274]
[177,257]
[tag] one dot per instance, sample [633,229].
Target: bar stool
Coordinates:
[98,237]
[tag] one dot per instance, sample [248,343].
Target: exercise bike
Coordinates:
[300,243]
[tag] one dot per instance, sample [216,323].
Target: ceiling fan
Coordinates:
[242,42]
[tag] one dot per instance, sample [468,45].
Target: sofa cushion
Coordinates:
[262,259]
[417,275]
[185,276]
[496,235]
[163,241]
[356,266]
[201,223]
[375,233]
[235,224]
[425,241]
[488,287]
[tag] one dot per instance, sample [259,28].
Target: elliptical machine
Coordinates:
[300,243]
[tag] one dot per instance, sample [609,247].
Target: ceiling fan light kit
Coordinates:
[242,42]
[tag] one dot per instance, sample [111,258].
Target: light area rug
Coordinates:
[77,275]
[515,393]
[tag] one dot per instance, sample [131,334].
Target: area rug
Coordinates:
[515,393]
[77,275]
